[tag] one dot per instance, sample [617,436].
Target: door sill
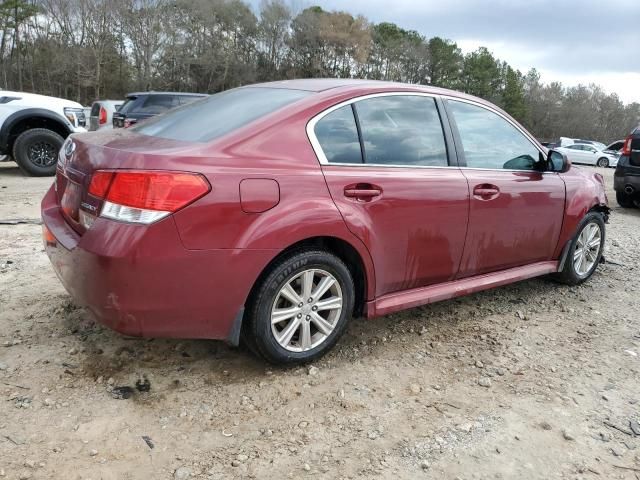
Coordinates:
[396,301]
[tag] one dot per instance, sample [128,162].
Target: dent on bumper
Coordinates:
[141,280]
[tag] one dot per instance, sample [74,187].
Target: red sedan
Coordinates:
[276,212]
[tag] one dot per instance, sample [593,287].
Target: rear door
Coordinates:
[516,209]
[385,160]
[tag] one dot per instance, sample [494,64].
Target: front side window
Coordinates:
[337,134]
[401,130]
[489,141]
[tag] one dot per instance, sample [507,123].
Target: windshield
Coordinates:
[219,114]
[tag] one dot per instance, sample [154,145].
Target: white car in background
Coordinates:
[101,115]
[33,128]
[589,154]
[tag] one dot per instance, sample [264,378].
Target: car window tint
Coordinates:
[155,104]
[338,136]
[401,130]
[131,104]
[186,99]
[95,109]
[489,141]
[216,115]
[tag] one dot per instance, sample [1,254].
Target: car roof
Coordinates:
[182,94]
[362,87]
[323,84]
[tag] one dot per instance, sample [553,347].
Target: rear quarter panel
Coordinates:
[279,151]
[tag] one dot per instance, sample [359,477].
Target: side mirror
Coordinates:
[557,162]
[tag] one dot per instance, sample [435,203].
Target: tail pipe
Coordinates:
[629,190]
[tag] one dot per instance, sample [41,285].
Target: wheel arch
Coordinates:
[360,270]
[27,119]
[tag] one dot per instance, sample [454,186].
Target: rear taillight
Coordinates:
[626,147]
[145,196]
[103,116]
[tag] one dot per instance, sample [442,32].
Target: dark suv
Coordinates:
[626,181]
[141,105]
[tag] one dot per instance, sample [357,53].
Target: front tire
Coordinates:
[603,162]
[585,251]
[36,151]
[300,309]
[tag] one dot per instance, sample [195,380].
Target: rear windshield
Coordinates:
[219,114]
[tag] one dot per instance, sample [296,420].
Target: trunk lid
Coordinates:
[112,149]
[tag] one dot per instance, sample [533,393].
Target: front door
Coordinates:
[386,165]
[516,208]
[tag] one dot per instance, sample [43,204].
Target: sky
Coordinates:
[570,41]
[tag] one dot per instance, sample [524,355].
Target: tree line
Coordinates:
[102,49]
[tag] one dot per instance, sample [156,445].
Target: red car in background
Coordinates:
[276,212]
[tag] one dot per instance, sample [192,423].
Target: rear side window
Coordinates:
[130,104]
[490,141]
[402,130]
[337,134]
[219,114]
[156,104]
[187,99]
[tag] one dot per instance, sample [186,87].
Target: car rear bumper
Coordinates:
[141,281]
[626,179]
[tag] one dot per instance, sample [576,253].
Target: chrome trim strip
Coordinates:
[317,148]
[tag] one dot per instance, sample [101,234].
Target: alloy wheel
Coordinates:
[585,254]
[306,310]
[42,153]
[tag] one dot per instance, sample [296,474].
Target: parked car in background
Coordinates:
[142,105]
[589,154]
[102,114]
[615,148]
[566,141]
[33,128]
[278,211]
[626,180]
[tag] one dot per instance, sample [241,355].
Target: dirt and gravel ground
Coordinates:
[534,380]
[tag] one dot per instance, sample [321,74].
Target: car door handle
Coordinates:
[486,191]
[362,191]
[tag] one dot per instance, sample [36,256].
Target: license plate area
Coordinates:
[70,202]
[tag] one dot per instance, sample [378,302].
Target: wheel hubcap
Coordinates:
[587,248]
[42,154]
[306,310]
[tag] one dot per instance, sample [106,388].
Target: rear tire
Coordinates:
[584,254]
[603,162]
[36,151]
[624,200]
[309,327]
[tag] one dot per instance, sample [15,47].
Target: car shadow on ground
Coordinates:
[10,169]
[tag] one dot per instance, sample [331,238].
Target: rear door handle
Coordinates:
[362,191]
[486,191]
